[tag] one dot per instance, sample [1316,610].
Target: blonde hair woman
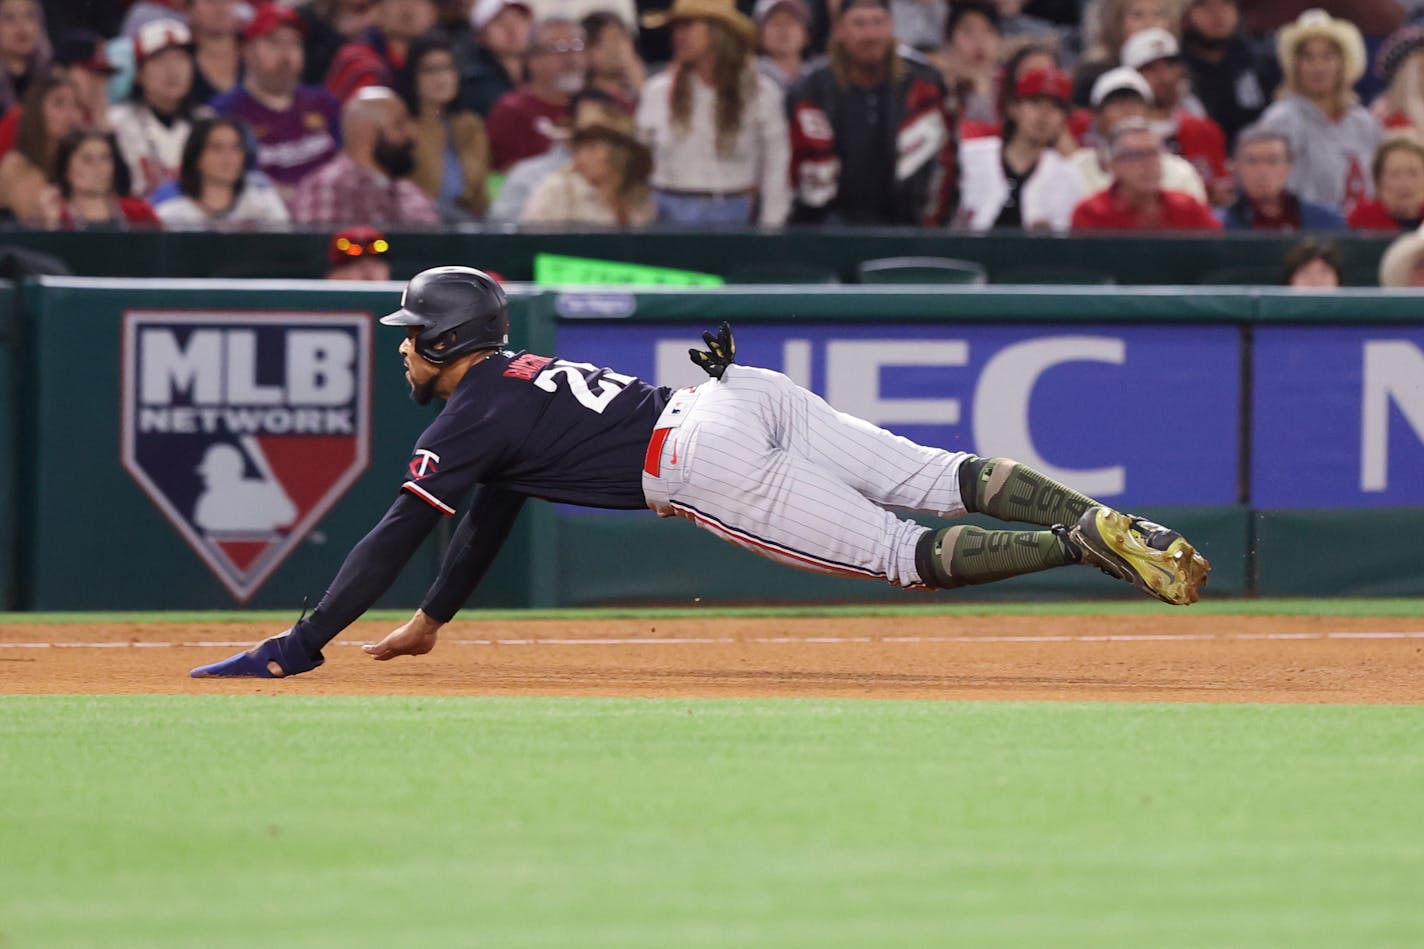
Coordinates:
[1332,137]
[717,127]
[606,181]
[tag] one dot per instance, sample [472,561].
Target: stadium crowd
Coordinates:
[1059,115]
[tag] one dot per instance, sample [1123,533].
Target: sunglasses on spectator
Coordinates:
[357,249]
[569,46]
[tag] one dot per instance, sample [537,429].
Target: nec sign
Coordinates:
[1338,417]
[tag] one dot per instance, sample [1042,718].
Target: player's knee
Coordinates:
[974,475]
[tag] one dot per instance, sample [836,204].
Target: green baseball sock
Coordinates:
[965,555]
[1003,488]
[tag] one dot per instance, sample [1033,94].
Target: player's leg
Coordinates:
[727,470]
[894,471]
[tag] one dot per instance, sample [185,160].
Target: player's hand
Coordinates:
[721,352]
[415,638]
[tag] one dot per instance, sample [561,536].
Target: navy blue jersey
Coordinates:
[546,428]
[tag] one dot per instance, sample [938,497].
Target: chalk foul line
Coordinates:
[780,640]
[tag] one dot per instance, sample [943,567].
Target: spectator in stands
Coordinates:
[25,51]
[524,176]
[1119,95]
[1400,66]
[1136,200]
[1019,27]
[51,113]
[1402,265]
[920,24]
[85,60]
[1175,113]
[153,124]
[358,253]
[969,60]
[144,12]
[1312,265]
[1107,26]
[1024,60]
[1398,174]
[872,141]
[1263,168]
[555,64]
[1333,138]
[217,55]
[1021,181]
[367,182]
[215,190]
[605,184]
[378,54]
[501,30]
[782,37]
[88,192]
[327,26]
[716,125]
[79,55]
[297,128]
[452,151]
[1231,79]
[613,62]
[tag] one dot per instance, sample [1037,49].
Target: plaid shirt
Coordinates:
[342,192]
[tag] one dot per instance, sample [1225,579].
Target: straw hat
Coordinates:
[1399,258]
[1317,24]
[723,11]
[597,120]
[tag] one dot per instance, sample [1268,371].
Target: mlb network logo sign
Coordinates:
[245,428]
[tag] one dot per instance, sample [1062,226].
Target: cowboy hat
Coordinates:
[1317,24]
[723,11]
[608,122]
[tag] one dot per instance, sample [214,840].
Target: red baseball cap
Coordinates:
[1053,83]
[269,17]
[353,243]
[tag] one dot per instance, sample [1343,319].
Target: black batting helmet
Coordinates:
[459,310]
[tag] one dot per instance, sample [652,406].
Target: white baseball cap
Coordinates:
[487,10]
[1117,80]
[159,35]
[1148,46]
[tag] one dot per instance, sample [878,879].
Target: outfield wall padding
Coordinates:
[1185,404]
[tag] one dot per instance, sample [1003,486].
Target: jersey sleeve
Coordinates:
[447,463]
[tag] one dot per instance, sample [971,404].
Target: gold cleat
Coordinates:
[1157,561]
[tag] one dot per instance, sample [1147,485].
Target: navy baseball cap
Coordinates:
[83,48]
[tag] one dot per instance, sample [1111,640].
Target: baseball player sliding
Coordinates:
[747,455]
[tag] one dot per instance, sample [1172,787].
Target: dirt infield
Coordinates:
[1177,657]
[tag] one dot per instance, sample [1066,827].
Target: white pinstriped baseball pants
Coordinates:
[767,465]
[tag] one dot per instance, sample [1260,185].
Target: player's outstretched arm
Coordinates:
[482,532]
[368,572]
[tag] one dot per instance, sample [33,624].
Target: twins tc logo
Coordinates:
[245,428]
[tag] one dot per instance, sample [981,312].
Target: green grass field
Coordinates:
[262,820]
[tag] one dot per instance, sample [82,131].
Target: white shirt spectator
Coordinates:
[259,204]
[1177,174]
[151,149]
[1046,199]
[689,161]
